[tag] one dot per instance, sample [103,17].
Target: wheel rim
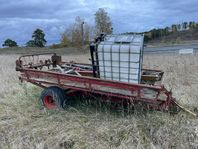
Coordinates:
[49,102]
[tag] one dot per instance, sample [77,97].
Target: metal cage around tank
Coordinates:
[118,57]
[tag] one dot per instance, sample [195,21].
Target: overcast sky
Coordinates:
[19,18]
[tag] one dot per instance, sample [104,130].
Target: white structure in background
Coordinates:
[120,57]
[186,51]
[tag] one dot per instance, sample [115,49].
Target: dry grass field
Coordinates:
[25,124]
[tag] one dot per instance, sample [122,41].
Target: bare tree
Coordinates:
[86,33]
[178,27]
[65,41]
[78,33]
[103,22]
[174,28]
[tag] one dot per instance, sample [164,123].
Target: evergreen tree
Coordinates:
[38,37]
[9,43]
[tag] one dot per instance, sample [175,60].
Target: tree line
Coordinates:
[162,32]
[38,40]
[78,33]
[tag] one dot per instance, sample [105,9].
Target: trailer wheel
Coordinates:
[53,97]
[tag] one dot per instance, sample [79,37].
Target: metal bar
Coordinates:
[27,55]
[36,82]
[93,80]
[97,62]
[111,60]
[103,62]
[92,48]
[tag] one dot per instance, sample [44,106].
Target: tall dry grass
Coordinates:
[8,75]
[181,75]
[26,124]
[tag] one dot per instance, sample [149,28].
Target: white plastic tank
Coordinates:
[120,57]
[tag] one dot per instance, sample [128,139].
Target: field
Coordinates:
[25,124]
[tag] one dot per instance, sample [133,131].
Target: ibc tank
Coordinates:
[120,57]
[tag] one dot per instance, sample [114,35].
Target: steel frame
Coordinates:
[88,84]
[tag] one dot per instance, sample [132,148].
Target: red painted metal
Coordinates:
[119,92]
[49,102]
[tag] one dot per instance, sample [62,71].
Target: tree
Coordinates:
[185,25]
[30,43]
[38,37]
[178,27]
[196,26]
[192,25]
[78,31]
[167,29]
[103,22]
[174,28]
[154,33]
[9,43]
[65,40]
[161,32]
[77,34]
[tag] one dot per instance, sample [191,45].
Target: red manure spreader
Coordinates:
[115,74]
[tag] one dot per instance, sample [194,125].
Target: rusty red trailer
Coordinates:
[63,79]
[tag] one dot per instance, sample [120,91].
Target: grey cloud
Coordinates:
[34,8]
[19,18]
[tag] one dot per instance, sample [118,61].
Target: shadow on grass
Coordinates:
[87,104]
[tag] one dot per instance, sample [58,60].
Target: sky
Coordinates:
[19,18]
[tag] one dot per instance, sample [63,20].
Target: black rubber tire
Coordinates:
[57,96]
